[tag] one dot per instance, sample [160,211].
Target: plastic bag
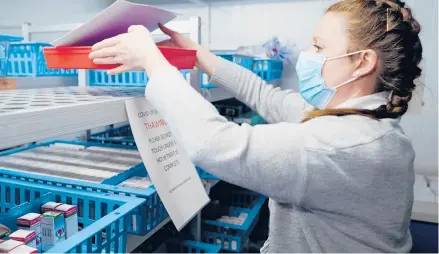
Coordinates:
[274,49]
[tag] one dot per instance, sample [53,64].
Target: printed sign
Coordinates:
[169,167]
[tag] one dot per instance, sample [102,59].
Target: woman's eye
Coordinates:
[317,47]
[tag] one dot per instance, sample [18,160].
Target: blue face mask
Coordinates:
[311,83]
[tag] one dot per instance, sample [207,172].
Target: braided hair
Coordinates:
[389,28]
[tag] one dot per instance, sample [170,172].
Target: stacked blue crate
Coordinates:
[5,41]
[234,237]
[143,220]
[103,217]
[128,79]
[268,69]
[27,60]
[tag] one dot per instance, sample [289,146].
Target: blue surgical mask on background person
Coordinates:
[311,83]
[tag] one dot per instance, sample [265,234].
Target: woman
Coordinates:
[339,177]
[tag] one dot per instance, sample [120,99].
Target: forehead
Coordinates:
[332,28]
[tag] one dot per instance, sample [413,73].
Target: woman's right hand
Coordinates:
[206,60]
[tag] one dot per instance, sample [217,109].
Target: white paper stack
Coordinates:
[234,220]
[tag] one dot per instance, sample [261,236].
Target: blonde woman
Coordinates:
[334,161]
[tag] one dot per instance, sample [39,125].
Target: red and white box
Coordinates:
[24,249]
[70,218]
[9,245]
[32,222]
[49,207]
[25,236]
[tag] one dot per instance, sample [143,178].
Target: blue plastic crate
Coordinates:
[27,60]
[130,78]
[243,60]
[103,217]
[177,246]
[268,69]
[232,237]
[143,220]
[5,41]
[124,136]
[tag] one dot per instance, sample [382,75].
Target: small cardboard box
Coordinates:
[52,229]
[9,245]
[32,222]
[70,218]
[8,84]
[25,236]
[23,249]
[49,206]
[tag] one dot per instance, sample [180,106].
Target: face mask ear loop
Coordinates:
[357,74]
[350,54]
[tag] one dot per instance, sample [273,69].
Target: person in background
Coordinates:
[334,161]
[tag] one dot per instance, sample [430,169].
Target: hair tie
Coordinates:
[388,18]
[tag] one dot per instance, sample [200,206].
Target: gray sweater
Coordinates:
[336,184]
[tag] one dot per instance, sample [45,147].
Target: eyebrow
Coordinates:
[316,38]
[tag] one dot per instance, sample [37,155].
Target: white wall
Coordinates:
[236,23]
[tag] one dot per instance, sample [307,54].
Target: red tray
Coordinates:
[77,58]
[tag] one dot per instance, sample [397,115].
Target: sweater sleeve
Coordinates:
[272,103]
[258,158]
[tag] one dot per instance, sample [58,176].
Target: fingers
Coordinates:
[113,41]
[104,52]
[107,60]
[134,28]
[120,69]
[166,43]
[166,30]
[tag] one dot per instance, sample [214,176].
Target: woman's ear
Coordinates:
[367,62]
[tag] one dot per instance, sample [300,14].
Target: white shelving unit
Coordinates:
[32,115]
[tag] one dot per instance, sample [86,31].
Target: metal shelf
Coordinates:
[36,114]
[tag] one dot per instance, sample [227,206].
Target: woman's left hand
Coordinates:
[135,50]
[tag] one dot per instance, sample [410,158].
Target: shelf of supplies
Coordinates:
[36,114]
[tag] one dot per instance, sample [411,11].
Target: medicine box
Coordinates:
[70,218]
[9,245]
[52,229]
[49,206]
[32,222]
[23,249]
[25,236]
